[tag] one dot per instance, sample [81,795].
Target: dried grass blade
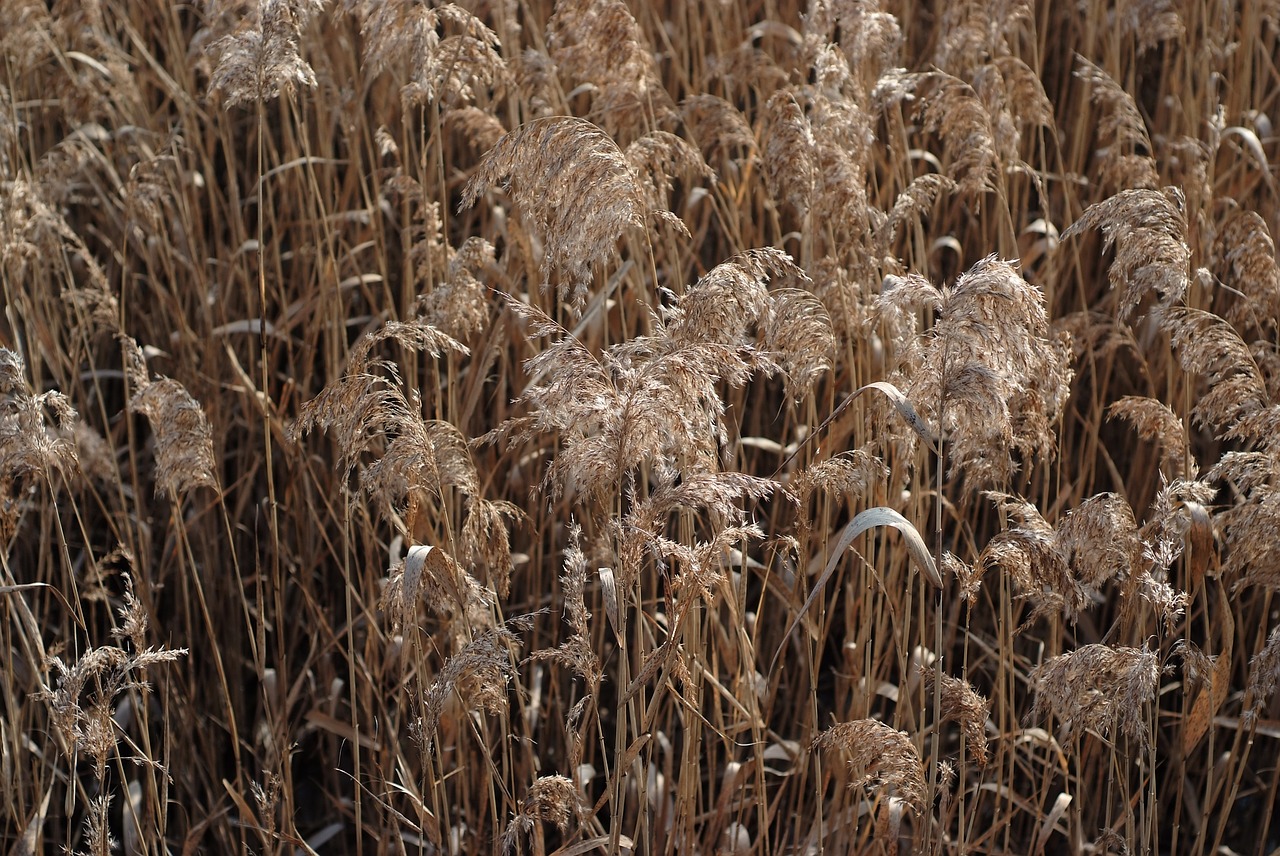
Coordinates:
[609,590]
[868,519]
[906,410]
[600,842]
[22,587]
[1199,542]
[1210,700]
[26,844]
[1051,819]
[900,403]
[333,725]
[628,758]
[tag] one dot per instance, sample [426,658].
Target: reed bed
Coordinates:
[570,426]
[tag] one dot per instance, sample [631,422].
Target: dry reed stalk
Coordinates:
[914,202]
[790,157]
[1165,537]
[458,305]
[97,828]
[362,403]
[658,159]
[576,653]
[870,38]
[719,130]
[1238,395]
[851,474]
[430,575]
[1247,523]
[1148,229]
[481,130]
[655,400]
[953,110]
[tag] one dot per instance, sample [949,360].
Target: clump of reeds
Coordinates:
[627,319]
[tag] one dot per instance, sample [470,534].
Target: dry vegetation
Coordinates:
[525,426]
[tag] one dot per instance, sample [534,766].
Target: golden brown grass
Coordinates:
[440,427]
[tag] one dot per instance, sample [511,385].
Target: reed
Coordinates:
[560,426]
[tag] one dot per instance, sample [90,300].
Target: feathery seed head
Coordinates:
[879,756]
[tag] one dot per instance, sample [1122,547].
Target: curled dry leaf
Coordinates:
[900,403]
[1199,542]
[609,589]
[1210,698]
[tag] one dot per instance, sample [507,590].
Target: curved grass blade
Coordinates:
[868,519]
[900,403]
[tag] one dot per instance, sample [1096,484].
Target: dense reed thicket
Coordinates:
[531,426]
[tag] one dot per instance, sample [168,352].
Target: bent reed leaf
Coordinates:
[868,519]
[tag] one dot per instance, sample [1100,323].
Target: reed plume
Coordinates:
[1126,147]
[82,702]
[260,60]
[184,453]
[1246,259]
[1097,688]
[455,69]
[1062,569]
[572,182]
[991,365]
[29,448]
[963,704]
[1264,678]
[1148,229]
[599,42]
[880,757]
[553,799]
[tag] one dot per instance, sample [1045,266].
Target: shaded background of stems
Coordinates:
[422,427]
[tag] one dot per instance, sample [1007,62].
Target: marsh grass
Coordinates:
[564,426]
